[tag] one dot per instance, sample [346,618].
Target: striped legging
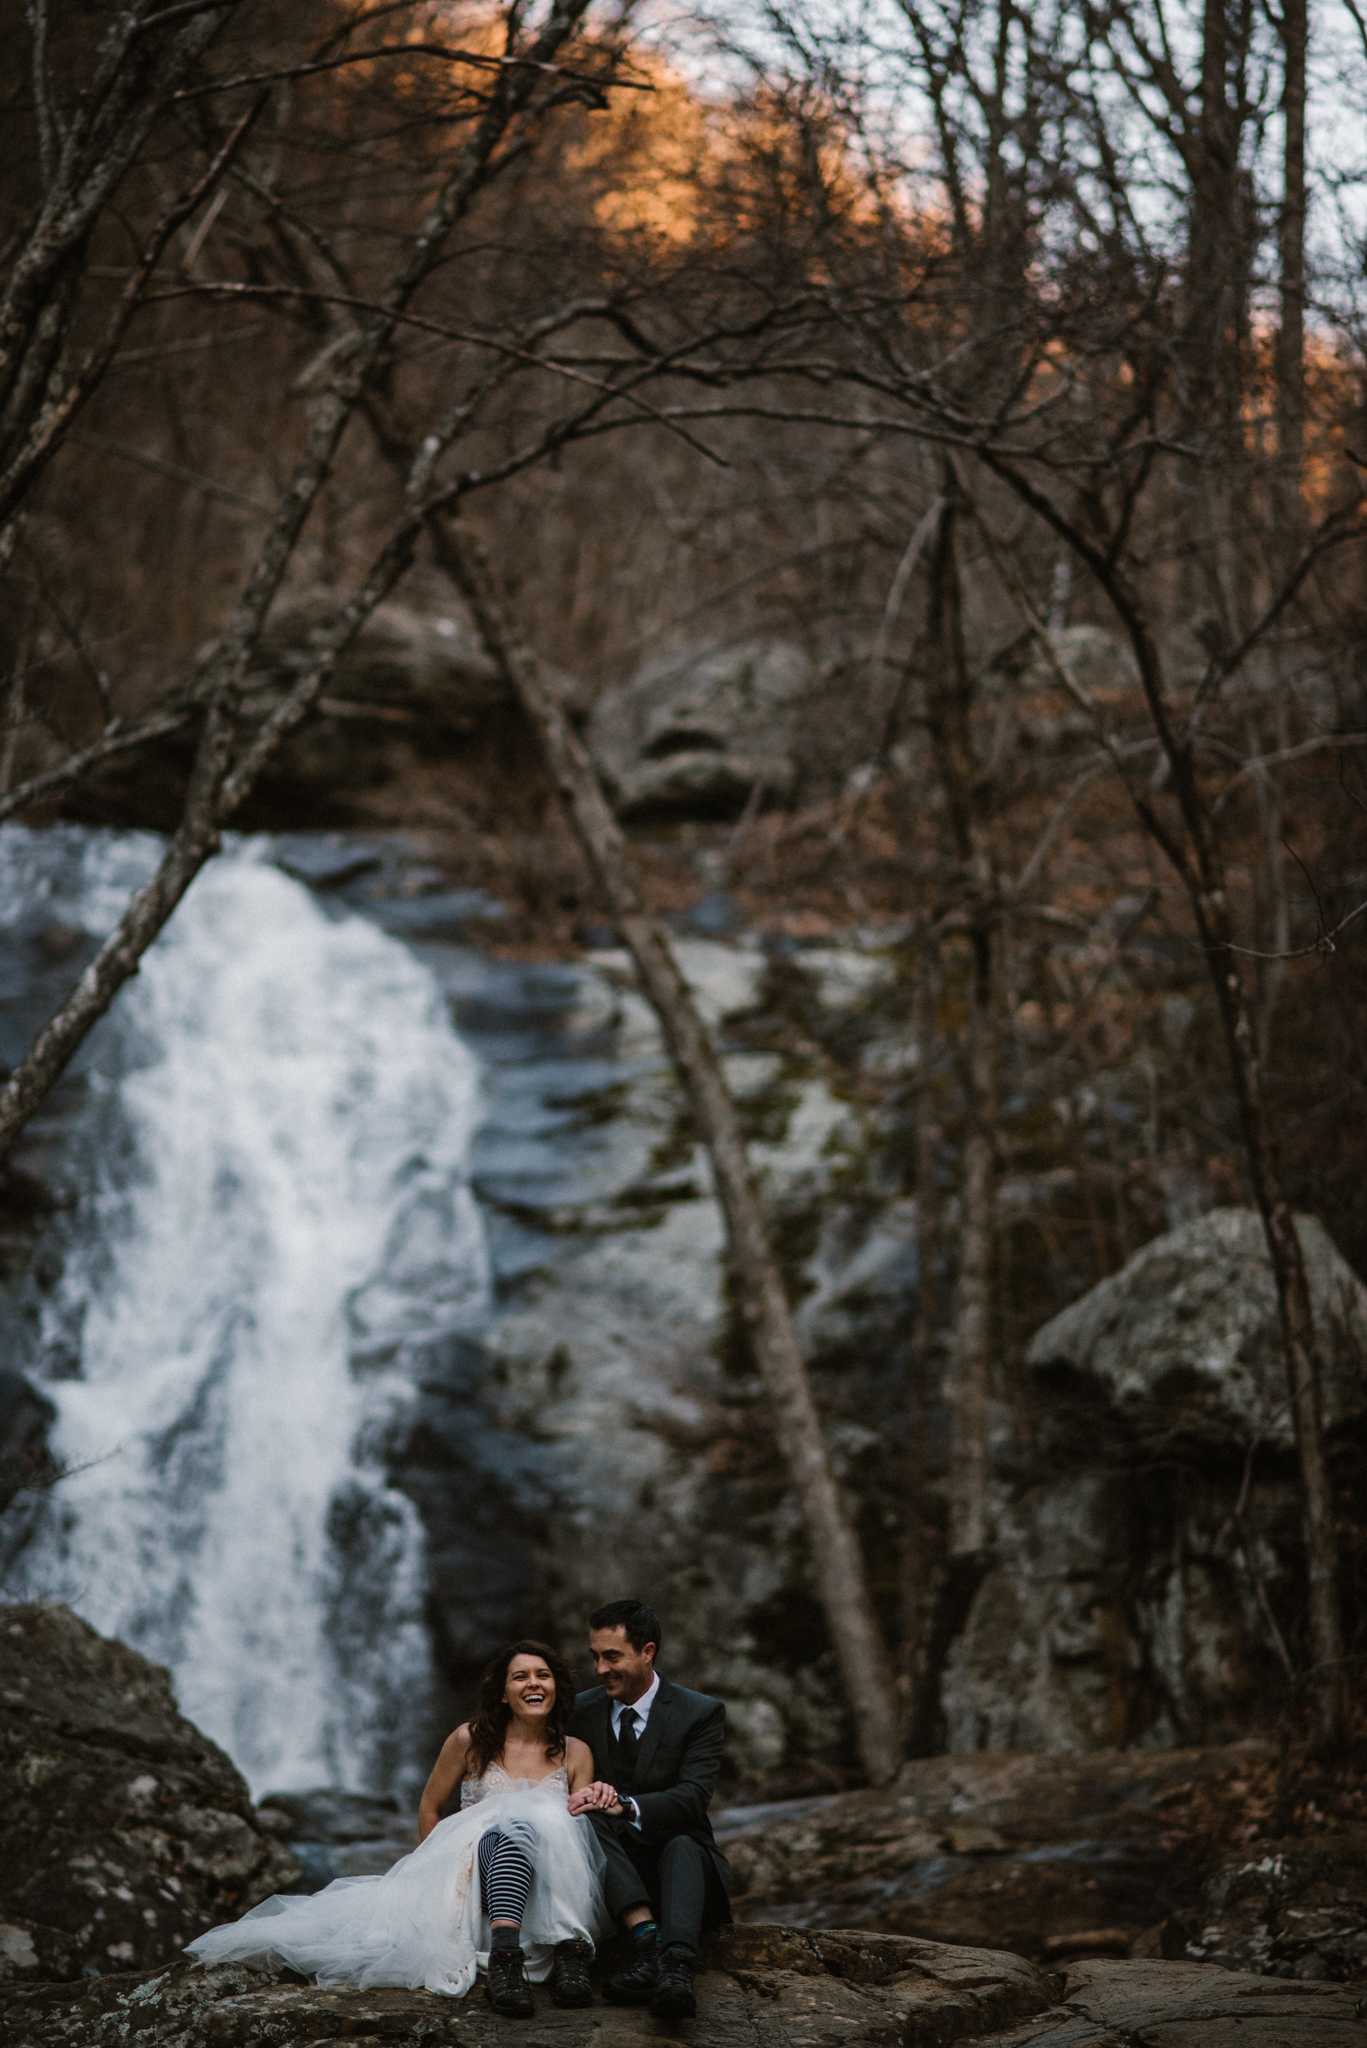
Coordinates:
[505,1874]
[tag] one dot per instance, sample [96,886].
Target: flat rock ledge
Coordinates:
[764,1987]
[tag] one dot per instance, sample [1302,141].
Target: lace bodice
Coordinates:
[496,1780]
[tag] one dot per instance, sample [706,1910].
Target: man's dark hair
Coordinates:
[641,1623]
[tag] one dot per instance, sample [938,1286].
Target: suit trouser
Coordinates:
[670,1878]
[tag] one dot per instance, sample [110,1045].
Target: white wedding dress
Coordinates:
[422,1924]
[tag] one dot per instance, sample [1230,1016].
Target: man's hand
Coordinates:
[596,1798]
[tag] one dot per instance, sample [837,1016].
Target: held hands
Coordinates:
[596,1798]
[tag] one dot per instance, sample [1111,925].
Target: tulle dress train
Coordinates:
[422,1924]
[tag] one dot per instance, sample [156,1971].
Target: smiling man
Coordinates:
[656,1755]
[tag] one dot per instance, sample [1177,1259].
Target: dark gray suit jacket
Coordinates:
[677,1764]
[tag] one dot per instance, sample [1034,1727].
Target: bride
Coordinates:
[511,1883]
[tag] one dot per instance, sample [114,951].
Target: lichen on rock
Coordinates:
[124,1832]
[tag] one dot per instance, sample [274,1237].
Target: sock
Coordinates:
[644,1930]
[504,1937]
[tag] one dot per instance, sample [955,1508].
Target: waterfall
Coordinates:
[272,1221]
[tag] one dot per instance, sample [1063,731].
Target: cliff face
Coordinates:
[1145,1557]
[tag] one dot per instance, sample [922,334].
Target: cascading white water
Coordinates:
[273,1209]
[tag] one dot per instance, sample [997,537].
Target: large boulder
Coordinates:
[697,733]
[416,677]
[416,657]
[124,1832]
[1187,1331]
[1147,1565]
[405,657]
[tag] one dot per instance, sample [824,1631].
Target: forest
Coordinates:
[837,525]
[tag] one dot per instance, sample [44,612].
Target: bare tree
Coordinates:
[1112,397]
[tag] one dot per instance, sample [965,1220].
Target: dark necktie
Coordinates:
[627,1741]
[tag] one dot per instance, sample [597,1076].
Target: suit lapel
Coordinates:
[650,1741]
[600,1737]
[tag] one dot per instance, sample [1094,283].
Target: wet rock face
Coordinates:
[694,734]
[25,1417]
[1133,1570]
[124,1832]
[596,1437]
[1046,1856]
[765,1986]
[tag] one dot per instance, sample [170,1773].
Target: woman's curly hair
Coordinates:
[489,1722]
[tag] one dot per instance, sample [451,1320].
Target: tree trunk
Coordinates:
[919,1564]
[1294,29]
[977,1234]
[837,1563]
[1217,251]
[949,703]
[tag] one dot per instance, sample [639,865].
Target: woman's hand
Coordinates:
[597,1798]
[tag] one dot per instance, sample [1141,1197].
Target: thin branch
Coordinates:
[476,338]
[44,111]
[206,486]
[477,59]
[1259,762]
[897,588]
[50,428]
[115,740]
[1015,586]
[1323,944]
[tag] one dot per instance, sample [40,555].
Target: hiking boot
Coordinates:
[674,1998]
[509,1992]
[636,1986]
[570,1984]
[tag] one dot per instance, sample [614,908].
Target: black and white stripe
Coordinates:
[505,1876]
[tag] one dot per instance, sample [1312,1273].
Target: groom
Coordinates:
[656,1754]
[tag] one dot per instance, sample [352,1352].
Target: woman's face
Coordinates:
[529,1688]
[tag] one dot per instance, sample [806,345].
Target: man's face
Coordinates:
[625,1673]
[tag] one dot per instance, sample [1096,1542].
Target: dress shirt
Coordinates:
[641,1710]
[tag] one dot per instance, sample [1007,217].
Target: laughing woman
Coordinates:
[511,1883]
